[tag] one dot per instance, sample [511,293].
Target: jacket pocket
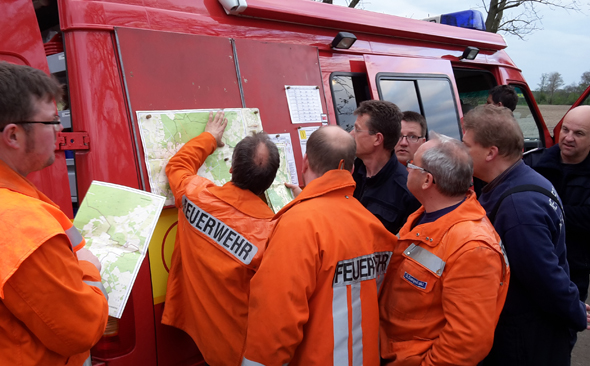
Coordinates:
[412,287]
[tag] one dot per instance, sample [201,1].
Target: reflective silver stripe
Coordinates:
[88,362]
[357,325]
[74,236]
[504,253]
[340,319]
[99,285]
[247,362]
[226,237]
[433,263]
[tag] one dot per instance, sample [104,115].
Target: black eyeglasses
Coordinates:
[54,123]
[411,138]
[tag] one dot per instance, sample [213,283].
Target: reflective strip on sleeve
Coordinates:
[100,287]
[340,319]
[357,325]
[247,362]
[88,362]
[226,237]
[430,261]
[74,236]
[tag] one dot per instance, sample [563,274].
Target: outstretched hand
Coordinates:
[86,255]
[216,126]
[295,188]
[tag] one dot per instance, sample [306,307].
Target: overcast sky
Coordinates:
[562,45]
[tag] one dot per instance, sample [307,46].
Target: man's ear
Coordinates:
[378,139]
[428,181]
[499,104]
[492,153]
[13,137]
[305,164]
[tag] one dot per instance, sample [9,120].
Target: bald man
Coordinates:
[567,166]
[313,300]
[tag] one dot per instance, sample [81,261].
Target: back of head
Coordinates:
[255,162]
[411,116]
[327,146]
[450,164]
[20,86]
[385,118]
[506,95]
[495,126]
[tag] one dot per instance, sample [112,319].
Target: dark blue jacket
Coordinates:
[572,182]
[531,228]
[385,195]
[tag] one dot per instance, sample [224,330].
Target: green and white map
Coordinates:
[163,133]
[278,195]
[117,223]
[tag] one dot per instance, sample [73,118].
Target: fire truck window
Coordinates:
[348,91]
[526,120]
[402,93]
[438,102]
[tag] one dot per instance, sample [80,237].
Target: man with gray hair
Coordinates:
[448,280]
[543,305]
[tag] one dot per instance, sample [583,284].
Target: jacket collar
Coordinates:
[551,159]
[11,180]
[392,168]
[432,233]
[242,200]
[331,181]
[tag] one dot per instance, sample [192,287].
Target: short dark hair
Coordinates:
[385,118]
[411,116]
[495,126]
[506,95]
[325,151]
[19,86]
[255,162]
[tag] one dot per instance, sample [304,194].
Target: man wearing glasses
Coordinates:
[380,178]
[448,280]
[413,136]
[53,308]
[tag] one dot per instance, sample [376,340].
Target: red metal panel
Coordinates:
[265,69]
[177,71]
[98,108]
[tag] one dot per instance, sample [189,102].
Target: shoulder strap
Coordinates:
[523,188]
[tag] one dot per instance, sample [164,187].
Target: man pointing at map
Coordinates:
[52,304]
[222,233]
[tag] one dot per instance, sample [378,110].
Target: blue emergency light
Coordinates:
[472,19]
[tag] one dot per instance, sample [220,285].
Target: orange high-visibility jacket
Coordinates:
[52,307]
[222,234]
[443,295]
[314,299]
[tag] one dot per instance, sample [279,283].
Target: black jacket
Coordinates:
[572,182]
[385,195]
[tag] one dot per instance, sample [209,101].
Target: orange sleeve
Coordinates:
[280,292]
[472,305]
[187,161]
[48,295]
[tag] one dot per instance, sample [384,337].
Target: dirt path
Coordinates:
[552,114]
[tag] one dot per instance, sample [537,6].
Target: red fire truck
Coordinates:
[117,57]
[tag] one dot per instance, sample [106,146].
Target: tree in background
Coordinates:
[584,81]
[524,22]
[554,82]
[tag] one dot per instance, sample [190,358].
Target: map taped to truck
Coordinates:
[163,133]
[117,223]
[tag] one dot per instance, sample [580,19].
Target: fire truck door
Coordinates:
[266,69]
[426,86]
[21,43]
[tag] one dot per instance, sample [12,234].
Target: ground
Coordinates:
[552,114]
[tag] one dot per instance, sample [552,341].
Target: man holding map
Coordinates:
[53,307]
[222,234]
